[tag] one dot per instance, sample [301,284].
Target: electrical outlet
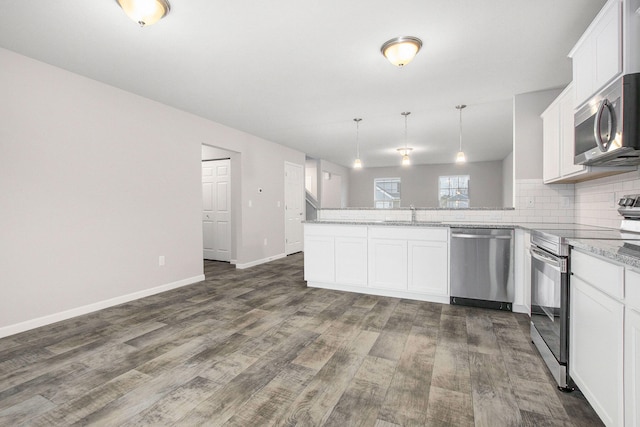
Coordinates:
[161,260]
[530,202]
[250,203]
[265,241]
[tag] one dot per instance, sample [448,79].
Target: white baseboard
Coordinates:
[5,331]
[260,261]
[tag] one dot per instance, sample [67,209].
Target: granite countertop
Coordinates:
[615,250]
[457,224]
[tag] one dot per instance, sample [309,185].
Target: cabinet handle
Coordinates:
[480,236]
[611,131]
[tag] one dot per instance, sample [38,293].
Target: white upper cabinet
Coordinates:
[598,55]
[558,136]
[558,140]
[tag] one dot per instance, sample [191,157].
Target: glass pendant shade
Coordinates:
[401,50]
[145,12]
[357,164]
[460,158]
[406,161]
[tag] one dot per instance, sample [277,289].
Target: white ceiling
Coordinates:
[297,72]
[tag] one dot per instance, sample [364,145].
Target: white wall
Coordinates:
[334,193]
[508,178]
[311,177]
[96,183]
[419,183]
[527,132]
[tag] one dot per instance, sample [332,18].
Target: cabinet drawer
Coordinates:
[603,275]
[632,289]
[438,234]
[335,230]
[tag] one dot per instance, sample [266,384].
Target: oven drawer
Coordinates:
[602,275]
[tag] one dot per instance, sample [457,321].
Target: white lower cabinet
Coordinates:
[406,262]
[632,348]
[522,272]
[596,349]
[596,334]
[351,260]
[632,367]
[319,255]
[388,263]
[428,270]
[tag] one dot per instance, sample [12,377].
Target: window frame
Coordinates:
[456,204]
[388,204]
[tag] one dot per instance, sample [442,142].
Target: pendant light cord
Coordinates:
[357,137]
[460,128]
[406,144]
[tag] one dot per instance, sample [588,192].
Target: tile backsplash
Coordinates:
[595,201]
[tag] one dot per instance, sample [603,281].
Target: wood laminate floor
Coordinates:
[256,347]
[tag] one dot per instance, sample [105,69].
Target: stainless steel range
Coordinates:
[550,283]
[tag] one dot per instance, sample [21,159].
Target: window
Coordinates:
[386,193]
[454,191]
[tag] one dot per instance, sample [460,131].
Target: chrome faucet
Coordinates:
[413,213]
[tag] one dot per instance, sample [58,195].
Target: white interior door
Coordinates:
[293,207]
[216,209]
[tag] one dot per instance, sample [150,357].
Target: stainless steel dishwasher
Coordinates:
[482,267]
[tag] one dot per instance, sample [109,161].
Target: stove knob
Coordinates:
[629,201]
[622,201]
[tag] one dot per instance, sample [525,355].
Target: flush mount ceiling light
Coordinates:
[404,151]
[401,50]
[145,12]
[357,164]
[460,157]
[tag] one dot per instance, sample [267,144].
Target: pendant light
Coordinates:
[145,12]
[357,164]
[406,161]
[401,50]
[460,157]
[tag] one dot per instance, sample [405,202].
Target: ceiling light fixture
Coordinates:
[357,164]
[401,50]
[460,158]
[406,161]
[145,12]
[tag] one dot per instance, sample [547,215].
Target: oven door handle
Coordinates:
[557,264]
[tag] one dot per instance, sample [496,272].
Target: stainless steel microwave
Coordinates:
[606,127]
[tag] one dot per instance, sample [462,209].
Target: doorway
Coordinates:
[293,207]
[216,210]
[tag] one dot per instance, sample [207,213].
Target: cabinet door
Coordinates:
[388,264]
[319,265]
[598,59]
[607,37]
[351,260]
[551,143]
[428,267]
[632,368]
[596,349]
[583,71]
